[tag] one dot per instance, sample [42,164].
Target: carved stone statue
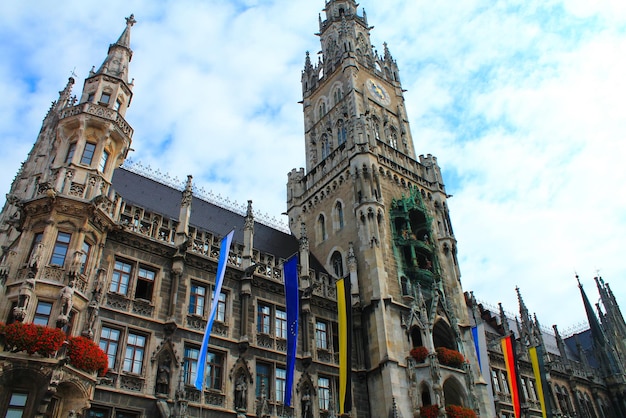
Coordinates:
[66,297]
[25,294]
[163,377]
[241,389]
[36,255]
[307,407]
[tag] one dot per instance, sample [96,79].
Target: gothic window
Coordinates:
[190,365]
[134,354]
[321,109]
[505,383]
[103,161]
[321,226]
[323,392]
[105,98]
[145,283]
[263,374]
[121,277]
[70,153]
[338,96]
[342,133]
[377,131]
[495,381]
[281,324]
[84,258]
[109,342]
[88,152]
[339,214]
[321,335]
[337,262]
[263,319]
[197,297]
[60,249]
[393,139]
[281,381]
[220,313]
[214,370]
[17,404]
[325,146]
[42,313]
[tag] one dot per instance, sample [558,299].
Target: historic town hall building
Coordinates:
[100,249]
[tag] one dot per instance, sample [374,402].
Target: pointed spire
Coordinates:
[559,342]
[504,320]
[307,63]
[119,55]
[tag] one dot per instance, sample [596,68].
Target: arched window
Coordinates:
[393,139]
[338,95]
[339,213]
[325,146]
[321,109]
[377,131]
[321,226]
[337,262]
[341,132]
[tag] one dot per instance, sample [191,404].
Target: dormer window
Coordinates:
[105,98]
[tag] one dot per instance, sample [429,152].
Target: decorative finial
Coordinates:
[130,21]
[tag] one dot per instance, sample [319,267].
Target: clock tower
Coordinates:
[371,210]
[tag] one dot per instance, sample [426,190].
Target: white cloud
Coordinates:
[520,101]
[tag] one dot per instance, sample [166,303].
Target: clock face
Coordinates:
[378,92]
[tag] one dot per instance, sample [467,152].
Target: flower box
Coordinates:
[429,411]
[449,357]
[456,411]
[86,355]
[33,338]
[419,353]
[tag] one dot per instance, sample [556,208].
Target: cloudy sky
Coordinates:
[522,101]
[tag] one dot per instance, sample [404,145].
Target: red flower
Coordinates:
[33,338]
[449,357]
[456,411]
[429,411]
[86,355]
[419,353]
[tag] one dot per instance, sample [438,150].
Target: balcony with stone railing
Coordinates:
[101,112]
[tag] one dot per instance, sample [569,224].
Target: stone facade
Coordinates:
[119,257]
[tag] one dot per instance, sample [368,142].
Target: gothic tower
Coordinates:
[58,211]
[375,212]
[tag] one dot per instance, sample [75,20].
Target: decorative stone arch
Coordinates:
[241,376]
[426,394]
[75,396]
[164,360]
[338,214]
[443,334]
[337,263]
[454,392]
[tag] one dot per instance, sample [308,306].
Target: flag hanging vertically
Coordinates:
[536,359]
[219,279]
[344,308]
[292,301]
[510,360]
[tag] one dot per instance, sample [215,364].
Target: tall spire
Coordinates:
[602,347]
[119,55]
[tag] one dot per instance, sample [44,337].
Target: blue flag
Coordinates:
[219,279]
[292,300]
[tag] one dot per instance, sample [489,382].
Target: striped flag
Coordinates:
[344,308]
[536,359]
[292,301]
[508,349]
[219,279]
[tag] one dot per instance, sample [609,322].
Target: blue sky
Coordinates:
[521,101]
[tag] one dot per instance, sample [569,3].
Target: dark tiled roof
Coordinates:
[165,200]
